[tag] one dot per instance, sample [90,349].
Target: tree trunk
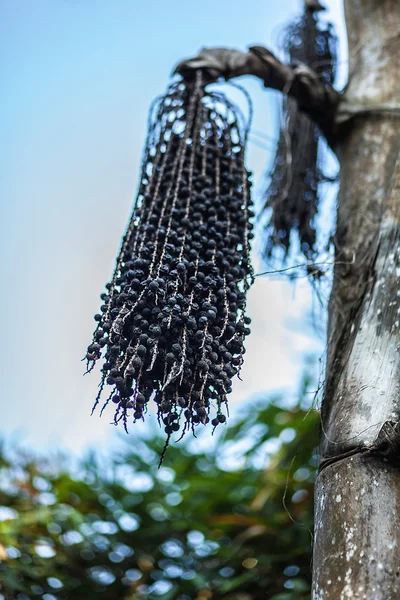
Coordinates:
[357,520]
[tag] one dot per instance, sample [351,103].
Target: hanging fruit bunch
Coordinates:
[172,325]
[298,170]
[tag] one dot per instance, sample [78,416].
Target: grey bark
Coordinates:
[357,531]
[357,500]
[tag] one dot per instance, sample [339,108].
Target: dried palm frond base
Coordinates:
[173,323]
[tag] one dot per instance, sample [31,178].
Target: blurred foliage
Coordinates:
[230,522]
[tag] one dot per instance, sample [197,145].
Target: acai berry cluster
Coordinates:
[172,324]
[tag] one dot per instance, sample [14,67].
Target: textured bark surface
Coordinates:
[363,358]
[357,518]
[363,371]
[357,531]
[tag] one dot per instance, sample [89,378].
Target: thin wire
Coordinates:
[285,505]
[306,265]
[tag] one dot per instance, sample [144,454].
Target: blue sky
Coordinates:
[77,78]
